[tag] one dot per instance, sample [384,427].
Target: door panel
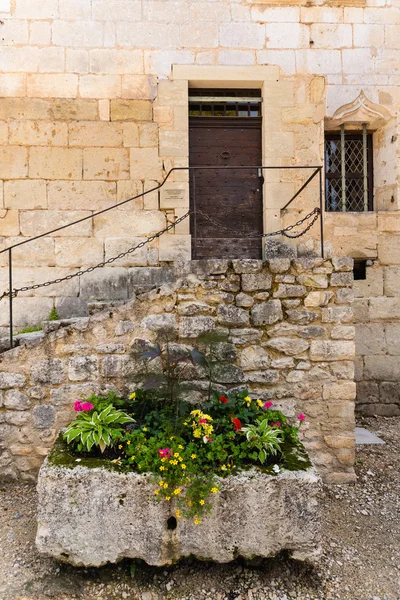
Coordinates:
[231,199]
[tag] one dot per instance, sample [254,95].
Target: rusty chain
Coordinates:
[316,212]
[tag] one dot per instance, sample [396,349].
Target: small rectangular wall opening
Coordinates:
[360,269]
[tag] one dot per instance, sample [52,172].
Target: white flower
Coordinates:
[78,460]
[276,469]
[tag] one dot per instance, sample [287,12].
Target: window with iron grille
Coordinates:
[348,171]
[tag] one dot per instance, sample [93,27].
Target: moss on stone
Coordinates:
[61,456]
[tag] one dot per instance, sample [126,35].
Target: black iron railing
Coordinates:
[317,212]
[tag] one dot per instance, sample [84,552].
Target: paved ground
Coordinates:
[361,550]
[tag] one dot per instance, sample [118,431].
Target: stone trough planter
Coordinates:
[89,516]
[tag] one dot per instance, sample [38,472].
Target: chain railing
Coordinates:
[316,213]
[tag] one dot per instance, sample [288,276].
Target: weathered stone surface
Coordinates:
[159,322]
[337,314]
[381,368]
[67,394]
[343,264]
[321,350]
[246,265]
[191,327]
[44,416]
[256,282]
[370,339]
[132,525]
[124,327]
[244,300]
[48,371]
[82,368]
[232,316]
[267,313]
[11,380]
[16,400]
[290,346]
[368,392]
[143,279]
[343,332]
[314,280]
[301,316]
[290,291]
[279,265]
[254,358]
[245,336]
[342,279]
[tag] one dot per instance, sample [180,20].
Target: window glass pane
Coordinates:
[332,156]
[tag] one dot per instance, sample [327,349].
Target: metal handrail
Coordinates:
[317,171]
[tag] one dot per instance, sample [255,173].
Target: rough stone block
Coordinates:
[159,322]
[256,282]
[370,339]
[11,380]
[67,394]
[19,194]
[48,371]
[384,410]
[62,489]
[324,350]
[192,327]
[368,392]
[245,336]
[381,368]
[232,316]
[290,291]
[82,368]
[343,332]
[389,393]
[244,300]
[342,279]
[131,110]
[337,314]
[301,316]
[135,224]
[175,247]
[16,400]
[78,252]
[44,416]
[109,283]
[384,309]
[314,299]
[345,390]
[247,266]
[142,280]
[287,345]
[267,313]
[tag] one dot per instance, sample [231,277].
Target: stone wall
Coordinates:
[94,109]
[290,340]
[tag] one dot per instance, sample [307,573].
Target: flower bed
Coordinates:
[138,477]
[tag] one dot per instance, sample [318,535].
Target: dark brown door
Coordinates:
[227,203]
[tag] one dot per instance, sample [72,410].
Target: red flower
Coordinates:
[223,399]
[301,417]
[267,405]
[237,425]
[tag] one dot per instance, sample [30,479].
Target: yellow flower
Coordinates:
[189,503]
[197,521]
[162,468]
[132,396]
[247,400]
[128,443]
[214,490]
[197,433]
[180,459]
[183,467]
[259,403]
[193,456]
[144,428]
[196,413]
[168,497]
[173,462]
[180,446]
[132,458]
[163,459]
[202,502]
[178,514]
[177,491]
[176,454]
[120,447]
[140,466]
[160,483]
[223,468]
[156,492]
[172,437]
[165,486]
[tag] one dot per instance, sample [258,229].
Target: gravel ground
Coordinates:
[361,559]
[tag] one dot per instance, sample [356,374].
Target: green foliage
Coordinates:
[92,428]
[53,315]
[265,439]
[30,329]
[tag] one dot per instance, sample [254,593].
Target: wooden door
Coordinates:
[230,198]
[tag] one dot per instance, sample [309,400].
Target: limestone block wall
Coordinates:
[94,109]
[290,339]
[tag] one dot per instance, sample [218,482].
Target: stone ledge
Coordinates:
[93,516]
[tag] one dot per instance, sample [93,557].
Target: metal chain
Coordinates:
[316,212]
[98,266]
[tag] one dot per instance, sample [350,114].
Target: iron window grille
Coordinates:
[224,103]
[348,171]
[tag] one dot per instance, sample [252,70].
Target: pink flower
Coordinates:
[165,452]
[275,424]
[301,417]
[78,406]
[87,406]
[203,421]
[268,404]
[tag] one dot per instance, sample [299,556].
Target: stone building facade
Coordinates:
[94,108]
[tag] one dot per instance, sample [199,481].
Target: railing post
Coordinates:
[321,215]
[10,296]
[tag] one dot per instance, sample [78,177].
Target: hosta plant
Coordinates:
[266,440]
[92,428]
